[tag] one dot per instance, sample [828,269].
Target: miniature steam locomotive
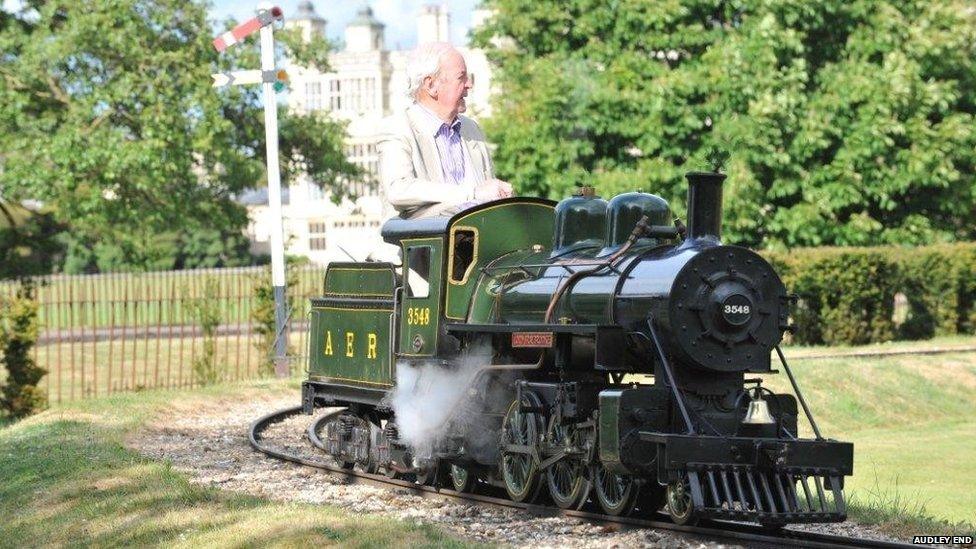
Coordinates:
[593,352]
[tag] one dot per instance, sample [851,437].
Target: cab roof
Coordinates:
[398,228]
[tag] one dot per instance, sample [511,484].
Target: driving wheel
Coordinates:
[520,449]
[568,479]
[615,493]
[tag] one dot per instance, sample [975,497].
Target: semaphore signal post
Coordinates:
[272,80]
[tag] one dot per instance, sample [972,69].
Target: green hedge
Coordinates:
[847,295]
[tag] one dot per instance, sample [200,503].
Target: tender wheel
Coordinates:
[616,493]
[378,450]
[568,479]
[679,504]
[336,440]
[520,437]
[360,445]
[462,480]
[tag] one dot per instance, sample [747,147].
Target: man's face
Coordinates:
[452,85]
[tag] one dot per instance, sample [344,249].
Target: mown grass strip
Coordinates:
[69,481]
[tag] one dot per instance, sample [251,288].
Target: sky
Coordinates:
[399,16]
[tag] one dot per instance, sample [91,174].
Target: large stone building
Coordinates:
[367,83]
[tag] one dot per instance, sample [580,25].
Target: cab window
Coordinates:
[418,271]
[464,241]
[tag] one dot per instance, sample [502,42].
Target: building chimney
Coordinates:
[433,24]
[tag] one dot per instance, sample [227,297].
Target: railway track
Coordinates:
[744,534]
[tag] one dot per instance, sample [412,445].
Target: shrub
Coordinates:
[967,292]
[206,311]
[847,294]
[930,281]
[20,396]
[263,314]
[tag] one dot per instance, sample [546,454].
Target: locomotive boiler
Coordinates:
[606,354]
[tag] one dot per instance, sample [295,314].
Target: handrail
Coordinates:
[799,395]
[670,375]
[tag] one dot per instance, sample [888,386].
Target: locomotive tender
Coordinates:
[624,349]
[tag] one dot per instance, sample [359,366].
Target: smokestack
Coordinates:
[705,204]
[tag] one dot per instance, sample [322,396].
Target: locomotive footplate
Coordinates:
[330,393]
[768,481]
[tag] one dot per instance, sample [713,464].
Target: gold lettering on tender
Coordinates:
[328,343]
[349,340]
[371,346]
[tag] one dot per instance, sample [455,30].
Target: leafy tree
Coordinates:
[210,248]
[199,249]
[109,118]
[848,121]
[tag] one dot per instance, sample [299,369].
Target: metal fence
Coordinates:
[106,333]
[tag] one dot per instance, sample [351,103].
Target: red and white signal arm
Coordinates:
[238,33]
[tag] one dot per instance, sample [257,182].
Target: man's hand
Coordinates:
[493,189]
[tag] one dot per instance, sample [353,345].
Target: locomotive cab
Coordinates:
[372,314]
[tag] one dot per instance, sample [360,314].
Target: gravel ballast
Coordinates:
[210,445]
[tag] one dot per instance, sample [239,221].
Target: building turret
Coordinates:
[364,32]
[305,18]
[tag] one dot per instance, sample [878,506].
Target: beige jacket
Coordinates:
[411,177]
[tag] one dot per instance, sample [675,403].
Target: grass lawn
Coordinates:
[68,480]
[926,469]
[914,432]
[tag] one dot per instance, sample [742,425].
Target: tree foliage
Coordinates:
[848,121]
[108,117]
[172,250]
[28,241]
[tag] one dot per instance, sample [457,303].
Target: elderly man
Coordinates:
[433,161]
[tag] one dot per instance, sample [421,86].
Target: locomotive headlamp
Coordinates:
[758,412]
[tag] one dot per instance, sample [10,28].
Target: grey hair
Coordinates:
[423,62]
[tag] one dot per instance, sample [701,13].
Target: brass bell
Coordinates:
[758,412]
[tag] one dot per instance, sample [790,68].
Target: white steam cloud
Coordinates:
[430,397]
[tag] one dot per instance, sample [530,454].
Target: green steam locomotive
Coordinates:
[593,352]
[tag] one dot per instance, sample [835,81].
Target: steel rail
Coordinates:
[734,532]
